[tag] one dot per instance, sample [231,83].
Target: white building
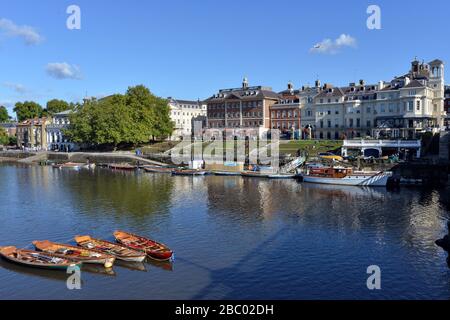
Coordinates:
[404,107]
[182,113]
[56,140]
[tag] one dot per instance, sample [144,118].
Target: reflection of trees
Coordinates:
[124,194]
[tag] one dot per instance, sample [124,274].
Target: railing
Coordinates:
[383,143]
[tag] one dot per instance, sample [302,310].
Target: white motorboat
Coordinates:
[346,176]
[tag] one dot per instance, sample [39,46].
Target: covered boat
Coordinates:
[346,176]
[158,169]
[152,248]
[36,259]
[188,172]
[121,252]
[226,173]
[75,253]
[254,174]
[122,166]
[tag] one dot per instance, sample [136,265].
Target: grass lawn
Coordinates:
[313,147]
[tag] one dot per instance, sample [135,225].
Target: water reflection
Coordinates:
[233,238]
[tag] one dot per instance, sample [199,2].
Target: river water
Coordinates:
[233,237]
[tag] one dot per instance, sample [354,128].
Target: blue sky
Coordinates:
[190,49]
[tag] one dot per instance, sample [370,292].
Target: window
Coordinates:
[329,123]
[321,123]
[418,105]
[410,106]
[358,123]
[350,123]
[369,124]
[321,100]
[382,108]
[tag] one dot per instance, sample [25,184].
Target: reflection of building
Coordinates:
[245,107]
[183,113]
[10,128]
[32,134]
[55,135]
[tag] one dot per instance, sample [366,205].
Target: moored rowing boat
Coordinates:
[36,259]
[123,166]
[254,174]
[152,248]
[188,172]
[156,169]
[121,252]
[75,253]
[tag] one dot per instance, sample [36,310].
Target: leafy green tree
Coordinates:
[28,110]
[4,116]
[4,139]
[133,118]
[56,106]
[151,114]
[12,141]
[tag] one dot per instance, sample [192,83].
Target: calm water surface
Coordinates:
[233,237]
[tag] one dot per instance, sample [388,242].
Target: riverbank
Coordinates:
[93,157]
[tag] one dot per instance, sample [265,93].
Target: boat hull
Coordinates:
[188,173]
[379,180]
[152,249]
[45,266]
[225,173]
[282,176]
[49,247]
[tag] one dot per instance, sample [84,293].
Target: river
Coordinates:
[233,237]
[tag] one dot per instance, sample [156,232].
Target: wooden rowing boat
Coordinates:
[122,166]
[120,251]
[75,253]
[153,249]
[36,259]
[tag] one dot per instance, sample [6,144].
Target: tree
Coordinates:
[27,110]
[132,118]
[4,138]
[56,106]
[4,116]
[151,113]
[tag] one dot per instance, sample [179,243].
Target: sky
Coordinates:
[190,49]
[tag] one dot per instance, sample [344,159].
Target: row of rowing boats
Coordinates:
[58,256]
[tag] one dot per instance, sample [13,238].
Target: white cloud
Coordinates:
[17,87]
[63,70]
[328,46]
[27,33]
